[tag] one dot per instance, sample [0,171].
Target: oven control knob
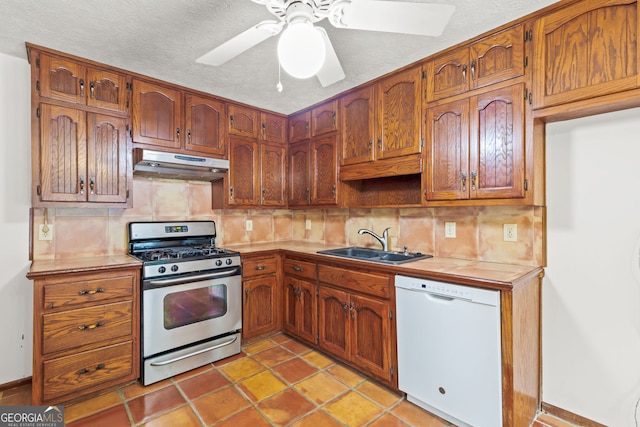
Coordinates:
[229,261]
[219,262]
[162,270]
[174,268]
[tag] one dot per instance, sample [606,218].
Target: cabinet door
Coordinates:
[273,128]
[307,314]
[585,50]
[446,175]
[244,172]
[497,58]
[260,306]
[448,75]
[399,115]
[273,164]
[290,309]
[323,118]
[157,115]
[324,171]
[107,149]
[106,89]
[243,121]
[63,154]
[299,127]
[333,321]
[371,335]
[204,125]
[497,144]
[62,79]
[357,126]
[299,186]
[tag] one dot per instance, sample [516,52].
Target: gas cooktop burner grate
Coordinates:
[181,253]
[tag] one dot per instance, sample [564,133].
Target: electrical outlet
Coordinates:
[45,232]
[307,224]
[510,232]
[249,225]
[450,230]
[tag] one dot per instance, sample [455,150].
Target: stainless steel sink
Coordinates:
[375,255]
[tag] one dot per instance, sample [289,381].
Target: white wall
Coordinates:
[16,293]
[591,298]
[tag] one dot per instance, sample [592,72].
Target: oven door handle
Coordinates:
[188,279]
[195,353]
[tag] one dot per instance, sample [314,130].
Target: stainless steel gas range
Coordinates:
[191,310]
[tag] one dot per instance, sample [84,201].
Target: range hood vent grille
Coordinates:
[160,164]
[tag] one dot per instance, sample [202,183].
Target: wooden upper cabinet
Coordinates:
[243,121]
[157,115]
[584,50]
[299,179]
[399,115]
[204,125]
[494,59]
[476,147]
[299,129]
[324,118]
[244,172]
[324,170]
[66,80]
[273,166]
[273,128]
[357,126]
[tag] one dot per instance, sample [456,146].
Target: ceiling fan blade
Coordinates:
[425,19]
[331,71]
[243,41]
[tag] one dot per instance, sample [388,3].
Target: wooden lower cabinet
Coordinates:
[86,332]
[300,299]
[261,296]
[357,328]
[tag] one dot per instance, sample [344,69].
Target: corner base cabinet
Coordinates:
[261,296]
[85,332]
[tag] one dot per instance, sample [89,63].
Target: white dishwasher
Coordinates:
[449,359]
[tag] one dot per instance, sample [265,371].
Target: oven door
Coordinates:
[184,310]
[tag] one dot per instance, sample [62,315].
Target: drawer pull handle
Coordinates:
[84,371]
[95,325]
[261,267]
[86,292]
[296,268]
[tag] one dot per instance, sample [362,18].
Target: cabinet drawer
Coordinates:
[77,372]
[367,283]
[89,288]
[259,266]
[74,328]
[300,268]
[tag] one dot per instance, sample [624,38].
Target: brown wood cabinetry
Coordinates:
[584,50]
[70,81]
[256,174]
[86,332]
[203,125]
[476,147]
[243,121]
[273,128]
[491,60]
[300,299]
[355,319]
[382,124]
[313,172]
[299,128]
[324,118]
[261,313]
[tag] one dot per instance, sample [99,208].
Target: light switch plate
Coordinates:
[450,230]
[45,232]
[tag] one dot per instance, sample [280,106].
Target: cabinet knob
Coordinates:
[464,181]
[474,176]
[81,87]
[92,90]
[296,268]
[464,73]
[81,185]
[473,69]
[92,185]
[178,133]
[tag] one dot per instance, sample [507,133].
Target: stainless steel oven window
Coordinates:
[195,305]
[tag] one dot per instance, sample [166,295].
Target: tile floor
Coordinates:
[276,381]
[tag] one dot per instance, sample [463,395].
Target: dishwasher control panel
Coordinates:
[448,290]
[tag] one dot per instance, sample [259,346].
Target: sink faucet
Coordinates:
[384,239]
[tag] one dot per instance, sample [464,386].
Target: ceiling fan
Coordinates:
[304,50]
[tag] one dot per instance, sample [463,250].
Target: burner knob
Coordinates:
[229,261]
[174,268]
[218,262]
[162,270]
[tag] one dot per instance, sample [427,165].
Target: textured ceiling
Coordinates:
[163,38]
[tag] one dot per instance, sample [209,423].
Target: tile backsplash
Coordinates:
[479,230]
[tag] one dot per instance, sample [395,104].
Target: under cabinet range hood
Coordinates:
[160,164]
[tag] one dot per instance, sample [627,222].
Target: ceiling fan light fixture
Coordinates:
[301,49]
